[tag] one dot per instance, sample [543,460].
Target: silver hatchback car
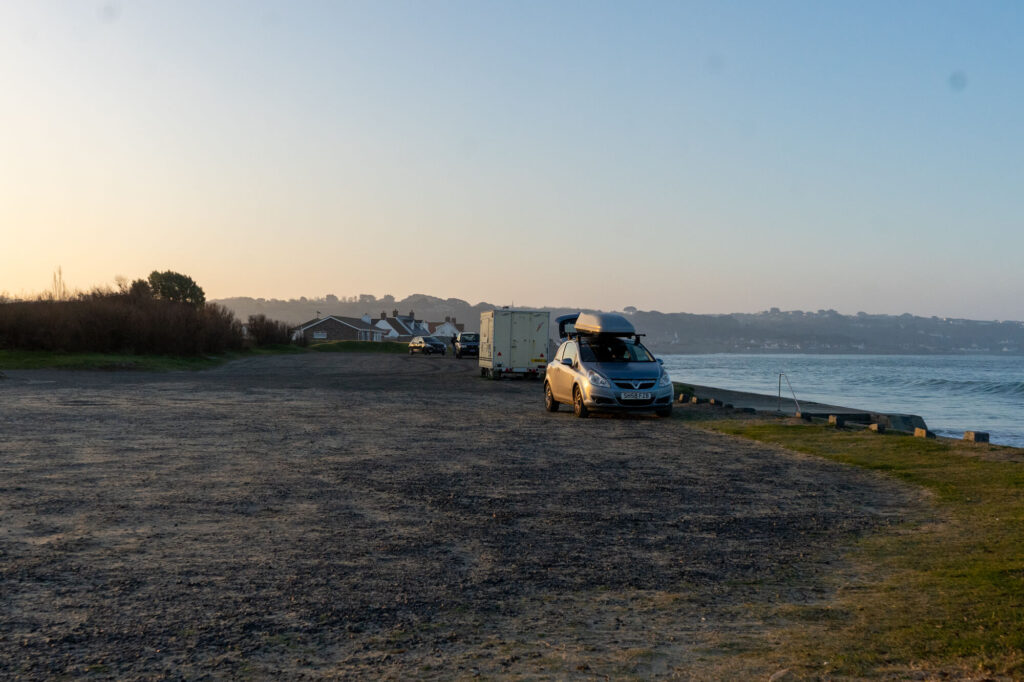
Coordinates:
[602,366]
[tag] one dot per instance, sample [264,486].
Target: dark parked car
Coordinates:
[467,344]
[427,345]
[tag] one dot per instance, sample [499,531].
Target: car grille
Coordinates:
[628,385]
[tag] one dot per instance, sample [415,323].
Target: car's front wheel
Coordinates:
[578,408]
[550,404]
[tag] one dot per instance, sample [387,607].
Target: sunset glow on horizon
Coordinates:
[696,156]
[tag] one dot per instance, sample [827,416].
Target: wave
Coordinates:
[958,386]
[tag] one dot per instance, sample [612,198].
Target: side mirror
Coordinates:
[567,362]
[660,361]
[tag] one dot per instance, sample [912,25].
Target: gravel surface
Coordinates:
[358,515]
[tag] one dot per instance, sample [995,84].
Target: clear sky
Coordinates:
[705,157]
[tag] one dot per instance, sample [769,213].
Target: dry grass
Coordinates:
[943,593]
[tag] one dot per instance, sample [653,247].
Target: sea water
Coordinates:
[953,393]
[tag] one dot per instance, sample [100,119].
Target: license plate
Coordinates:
[634,395]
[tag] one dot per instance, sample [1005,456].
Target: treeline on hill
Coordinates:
[167,314]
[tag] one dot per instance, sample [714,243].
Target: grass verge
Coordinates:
[945,596]
[360,347]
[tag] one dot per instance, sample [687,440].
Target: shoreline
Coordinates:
[953,395]
[770,405]
[808,409]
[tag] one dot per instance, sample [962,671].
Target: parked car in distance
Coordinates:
[427,345]
[602,366]
[467,344]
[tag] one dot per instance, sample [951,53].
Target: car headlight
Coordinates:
[665,379]
[597,380]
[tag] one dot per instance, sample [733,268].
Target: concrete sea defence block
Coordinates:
[902,422]
[923,433]
[880,428]
[836,420]
[976,436]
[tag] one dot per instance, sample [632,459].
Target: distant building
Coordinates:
[399,327]
[337,328]
[447,329]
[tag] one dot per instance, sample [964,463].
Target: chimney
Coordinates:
[411,314]
[447,318]
[394,313]
[383,315]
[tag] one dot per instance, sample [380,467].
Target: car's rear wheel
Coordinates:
[550,404]
[578,408]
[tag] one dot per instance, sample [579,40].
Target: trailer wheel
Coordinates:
[578,408]
[550,404]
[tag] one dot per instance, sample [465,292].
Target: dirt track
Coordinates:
[335,515]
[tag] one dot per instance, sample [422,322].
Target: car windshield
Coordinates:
[431,339]
[612,349]
[469,337]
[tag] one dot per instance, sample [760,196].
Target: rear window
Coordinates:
[469,337]
[613,349]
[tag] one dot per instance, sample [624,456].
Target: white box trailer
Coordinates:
[513,342]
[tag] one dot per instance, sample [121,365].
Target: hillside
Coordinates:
[774,331]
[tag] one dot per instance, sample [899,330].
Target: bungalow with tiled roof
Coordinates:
[338,328]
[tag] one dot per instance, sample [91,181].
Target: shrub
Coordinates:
[118,322]
[264,332]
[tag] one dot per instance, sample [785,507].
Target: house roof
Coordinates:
[407,326]
[395,330]
[354,322]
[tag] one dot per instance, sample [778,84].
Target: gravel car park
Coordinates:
[304,517]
